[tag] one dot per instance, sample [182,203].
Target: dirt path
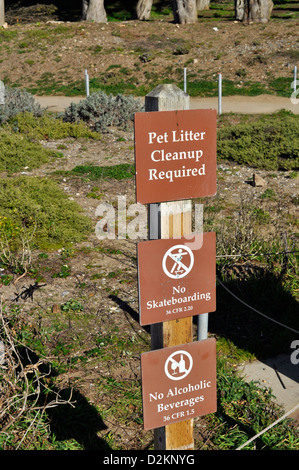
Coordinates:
[247,105]
[230,104]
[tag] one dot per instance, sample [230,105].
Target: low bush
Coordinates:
[101,111]
[38,205]
[18,101]
[48,127]
[18,153]
[270,142]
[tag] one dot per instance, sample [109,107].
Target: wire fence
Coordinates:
[255,310]
[285,415]
[268,427]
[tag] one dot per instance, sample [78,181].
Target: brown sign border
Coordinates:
[175,155]
[191,295]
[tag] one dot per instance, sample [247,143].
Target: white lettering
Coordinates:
[178,290]
[170,175]
[158,138]
[156,396]
[196,296]
[177,404]
[161,156]
[187,136]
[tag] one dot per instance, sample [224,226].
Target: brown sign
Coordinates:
[175,155]
[178,383]
[177,277]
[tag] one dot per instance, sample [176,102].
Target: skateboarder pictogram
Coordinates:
[178,261]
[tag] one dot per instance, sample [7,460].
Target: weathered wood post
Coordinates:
[169,220]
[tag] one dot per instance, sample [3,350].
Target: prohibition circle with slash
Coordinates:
[178,365]
[178,261]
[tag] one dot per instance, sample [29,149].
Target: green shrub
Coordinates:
[17,153]
[14,248]
[48,127]
[271,142]
[18,101]
[101,111]
[117,172]
[39,205]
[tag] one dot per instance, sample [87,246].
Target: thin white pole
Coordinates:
[2,92]
[86,83]
[185,80]
[202,326]
[220,94]
[295,77]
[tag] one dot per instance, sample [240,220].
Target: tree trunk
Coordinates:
[184,11]
[93,10]
[202,5]
[239,9]
[143,9]
[253,11]
[2,13]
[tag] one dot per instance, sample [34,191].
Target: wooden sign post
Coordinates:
[173,219]
[168,221]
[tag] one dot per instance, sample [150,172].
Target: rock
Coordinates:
[147,57]
[258,180]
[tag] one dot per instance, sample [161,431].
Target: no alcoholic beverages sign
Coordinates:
[175,155]
[178,383]
[177,277]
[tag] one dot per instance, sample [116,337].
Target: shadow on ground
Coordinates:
[64,10]
[266,333]
[70,414]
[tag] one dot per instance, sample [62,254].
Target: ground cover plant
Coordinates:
[49,127]
[17,153]
[40,206]
[271,143]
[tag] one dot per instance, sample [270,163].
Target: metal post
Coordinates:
[86,83]
[220,94]
[2,93]
[185,80]
[202,326]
